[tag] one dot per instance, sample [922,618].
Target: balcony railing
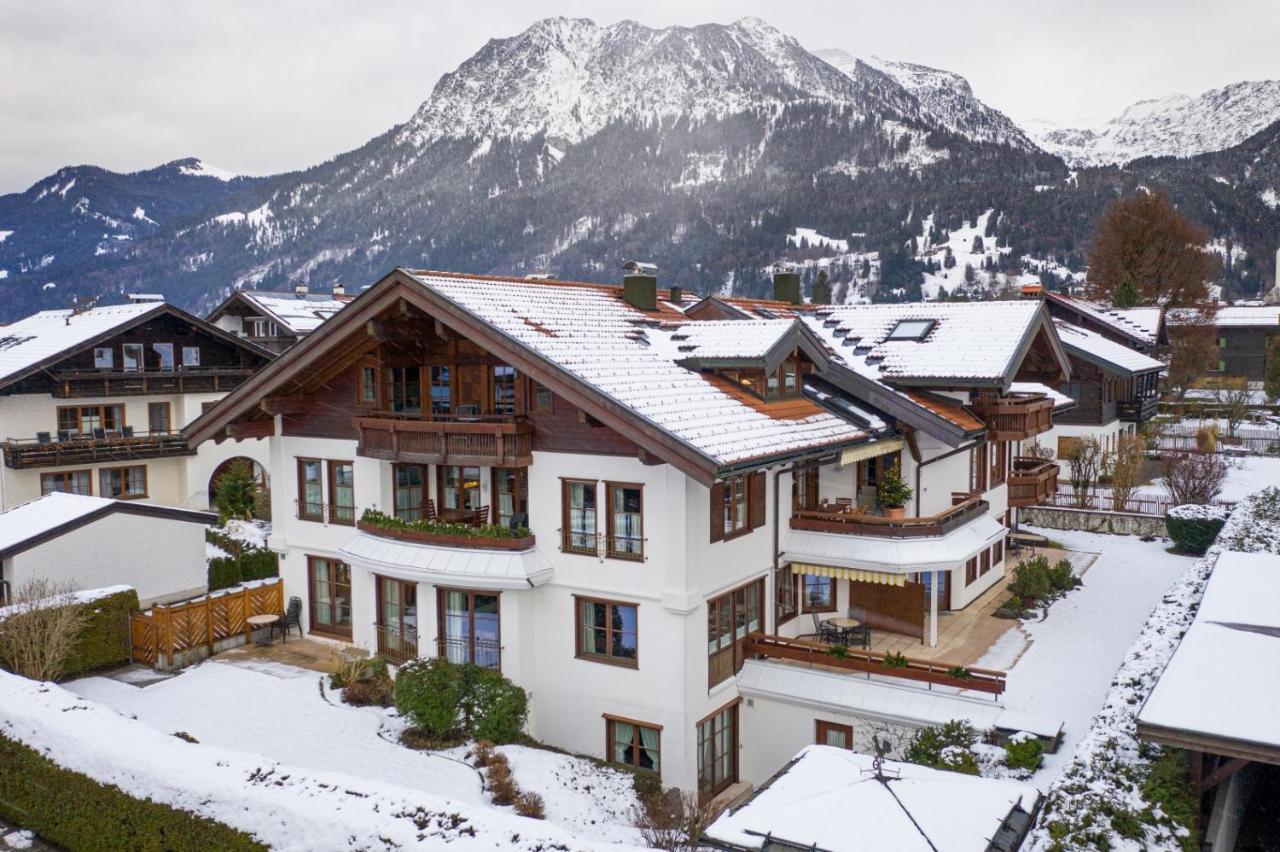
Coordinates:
[107,447]
[1138,409]
[326,513]
[116,382]
[394,646]
[504,441]
[869,663]
[859,523]
[1015,417]
[1032,481]
[470,649]
[603,545]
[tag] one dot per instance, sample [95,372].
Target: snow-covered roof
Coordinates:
[1095,347]
[1220,683]
[967,341]
[904,555]
[470,568]
[44,514]
[731,339]
[620,351]
[299,312]
[830,798]
[1060,400]
[1247,316]
[1140,323]
[38,338]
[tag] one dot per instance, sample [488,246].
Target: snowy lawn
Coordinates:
[290,715]
[1245,475]
[1075,651]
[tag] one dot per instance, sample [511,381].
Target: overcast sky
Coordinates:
[260,87]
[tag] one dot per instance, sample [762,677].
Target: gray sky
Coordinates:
[260,87]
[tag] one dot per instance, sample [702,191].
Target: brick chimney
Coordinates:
[786,287]
[640,285]
[300,288]
[676,296]
[1032,291]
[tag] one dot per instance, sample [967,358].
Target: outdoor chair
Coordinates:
[291,617]
[429,512]
[64,435]
[480,516]
[126,431]
[825,632]
[100,434]
[859,636]
[43,438]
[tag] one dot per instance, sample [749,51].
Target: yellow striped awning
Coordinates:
[858,575]
[870,451]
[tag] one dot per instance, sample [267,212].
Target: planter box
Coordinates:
[442,540]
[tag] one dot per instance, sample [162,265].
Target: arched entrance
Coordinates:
[259,473]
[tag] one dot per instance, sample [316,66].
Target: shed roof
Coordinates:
[1105,352]
[58,513]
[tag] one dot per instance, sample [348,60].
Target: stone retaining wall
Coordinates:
[1092,520]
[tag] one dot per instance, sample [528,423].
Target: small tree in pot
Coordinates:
[893,493]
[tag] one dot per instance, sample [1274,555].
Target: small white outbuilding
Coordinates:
[94,541]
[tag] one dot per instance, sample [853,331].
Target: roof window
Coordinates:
[911,329]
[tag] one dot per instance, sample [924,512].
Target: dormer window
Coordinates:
[911,329]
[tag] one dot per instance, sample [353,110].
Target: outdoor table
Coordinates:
[844,623]
[257,622]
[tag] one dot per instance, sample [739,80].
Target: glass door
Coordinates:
[469,628]
[397,626]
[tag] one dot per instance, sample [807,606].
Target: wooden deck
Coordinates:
[310,654]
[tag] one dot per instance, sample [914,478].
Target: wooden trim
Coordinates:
[424,488]
[609,720]
[608,521]
[822,726]
[566,529]
[125,481]
[441,636]
[734,747]
[63,474]
[582,654]
[325,630]
[168,417]
[331,490]
[301,514]
[368,362]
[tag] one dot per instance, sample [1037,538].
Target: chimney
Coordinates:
[300,288]
[1032,291]
[676,296]
[338,289]
[640,285]
[786,287]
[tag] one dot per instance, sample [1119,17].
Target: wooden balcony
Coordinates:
[74,384]
[1137,410]
[113,447]
[494,440]
[1014,417]
[863,523]
[1032,481]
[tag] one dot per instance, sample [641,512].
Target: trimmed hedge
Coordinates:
[448,701]
[1194,528]
[245,563]
[105,640]
[76,812]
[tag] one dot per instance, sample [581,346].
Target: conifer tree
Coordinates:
[1126,295]
[821,294]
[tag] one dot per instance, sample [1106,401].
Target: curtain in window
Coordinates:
[582,514]
[457,627]
[649,749]
[628,535]
[409,487]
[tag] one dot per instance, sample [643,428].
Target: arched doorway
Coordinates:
[259,473]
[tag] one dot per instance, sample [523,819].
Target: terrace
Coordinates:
[101,446]
[853,520]
[79,383]
[1032,481]
[461,439]
[1014,417]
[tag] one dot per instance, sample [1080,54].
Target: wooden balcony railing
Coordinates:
[1032,481]
[496,441]
[83,383]
[111,447]
[1015,417]
[394,646]
[855,523]
[867,662]
[1137,409]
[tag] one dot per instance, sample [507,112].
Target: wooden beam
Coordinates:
[909,433]
[274,405]
[1224,771]
[251,429]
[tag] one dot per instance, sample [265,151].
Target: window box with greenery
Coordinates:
[893,493]
[444,533]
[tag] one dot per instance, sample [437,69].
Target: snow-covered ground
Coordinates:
[1074,652]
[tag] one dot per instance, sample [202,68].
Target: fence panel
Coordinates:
[162,632]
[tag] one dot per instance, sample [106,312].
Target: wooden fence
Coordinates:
[1183,437]
[159,634]
[1101,499]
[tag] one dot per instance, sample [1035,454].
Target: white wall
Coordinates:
[163,558]
[1106,433]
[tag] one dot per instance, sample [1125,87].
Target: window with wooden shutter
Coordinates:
[755,498]
[717,511]
[971,571]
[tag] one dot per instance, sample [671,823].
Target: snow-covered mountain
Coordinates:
[1173,126]
[944,97]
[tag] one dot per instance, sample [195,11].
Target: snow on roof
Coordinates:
[829,796]
[902,555]
[591,333]
[1060,400]
[467,568]
[1094,345]
[1141,323]
[44,514]
[967,341]
[731,339]
[1215,684]
[39,337]
[298,312]
[1247,315]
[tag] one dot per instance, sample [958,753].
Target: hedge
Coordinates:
[245,562]
[105,639]
[76,812]
[1194,528]
[461,701]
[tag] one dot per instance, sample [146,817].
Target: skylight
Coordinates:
[911,329]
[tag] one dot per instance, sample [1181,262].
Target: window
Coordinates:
[718,750]
[132,357]
[978,469]
[310,490]
[470,627]
[410,491]
[511,496]
[625,524]
[578,516]
[342,493]
[191,356]
[330,587]
[998,454]
[819,594]
[985,563]
[607,631]
[804,488]
[82,420]
[104,358]
[404,390]
[786,600]
[125,483]
[730,618]
[67,481]
[971,571]
[737,505]
[459,488]
[397,626]
[912,329]
[997,552]
[164,351]
[833,734]
[158,419]
[504,389]
[734,507]
[543,399]
[441,391]
[633,743]
[367,386]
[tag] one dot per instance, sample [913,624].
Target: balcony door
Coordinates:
[469,627]
[397,625]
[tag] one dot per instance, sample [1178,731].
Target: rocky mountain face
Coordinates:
[569,148]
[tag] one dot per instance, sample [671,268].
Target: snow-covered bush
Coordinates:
[947,747]
[1024,751]
[1194,527]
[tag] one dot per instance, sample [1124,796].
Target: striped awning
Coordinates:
[858,575]
[870,451]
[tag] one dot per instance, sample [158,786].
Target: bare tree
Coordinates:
[39,629]
[1194,477]
[1235,406]
[674,820]
[1085,460]
[1126,466]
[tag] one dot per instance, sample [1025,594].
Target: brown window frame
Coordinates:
[805,608]
[997,552]
[537,403]
[397,383]
[519,494]
[984,562]
[971,571]
[804,488]
[567,532]
[152,407]
[581,652]
[141,351]
[62,476]
[718,608]
[331,491]
[822,726]
[423,489]
[206,407]
[611,536]
[999,463]
[442,505]
[332,564]
[733,487]
[609,741]
[125,481]
[303,513]
[785,577]
[978,469]
[407,640]
[441,635]
[366,382]
[716,787]
[77,413]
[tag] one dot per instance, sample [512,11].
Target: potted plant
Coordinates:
[893,493]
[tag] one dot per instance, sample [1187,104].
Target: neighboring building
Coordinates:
[91,542]
[829,799]
[681,482]
[1243,336]
[1141,328]
[1114,389]
[92,402]
[276,320]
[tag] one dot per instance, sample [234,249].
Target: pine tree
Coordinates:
[1126,295]
[234,492]
[949,259]
[977,244]
[969,274]
[1271,373]
[821,293]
